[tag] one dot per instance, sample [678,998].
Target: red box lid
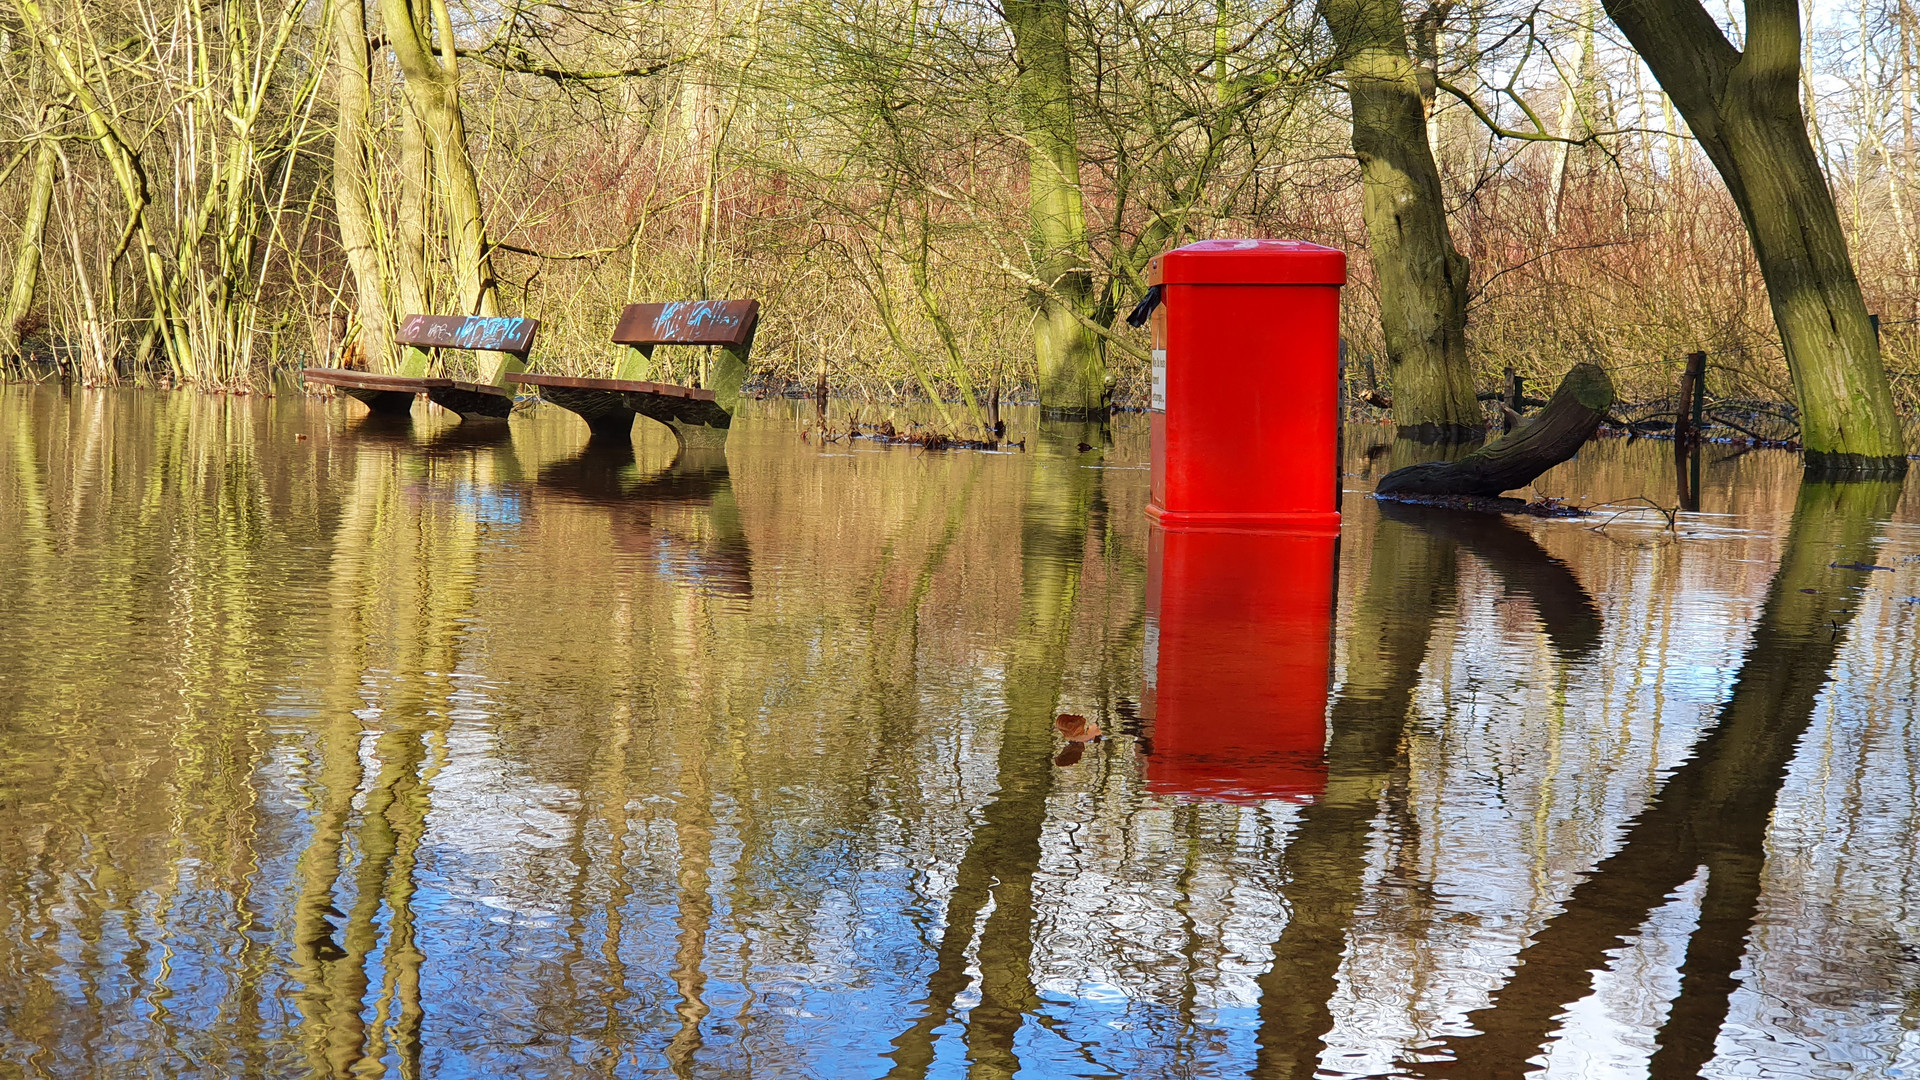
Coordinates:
[1249,262]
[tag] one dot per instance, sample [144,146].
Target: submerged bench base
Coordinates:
[393,394]
[609,406]
[473,401]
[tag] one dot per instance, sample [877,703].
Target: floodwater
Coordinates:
[338,749]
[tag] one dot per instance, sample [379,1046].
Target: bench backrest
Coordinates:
[729,323]
[491,333]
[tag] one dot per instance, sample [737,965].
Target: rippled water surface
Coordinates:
[344,749]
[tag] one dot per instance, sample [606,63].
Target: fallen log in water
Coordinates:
[1546,439]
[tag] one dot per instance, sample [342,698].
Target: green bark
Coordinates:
[433,103]
[1422,279]
[26,256]
[410,228]
[352,195]
[1744,107]
[1071,368]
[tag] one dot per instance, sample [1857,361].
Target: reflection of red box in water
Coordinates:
[1240,643]
[1246,383]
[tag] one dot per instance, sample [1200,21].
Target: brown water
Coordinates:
[336,749]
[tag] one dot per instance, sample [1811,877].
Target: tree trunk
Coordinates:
[1548,438]
[410,227]
[352,197]
[1575,107]
[26,257]
[1744,107]
[433,96]
[1423,280]
[1072,371]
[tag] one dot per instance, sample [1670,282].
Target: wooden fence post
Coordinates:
[1688,413]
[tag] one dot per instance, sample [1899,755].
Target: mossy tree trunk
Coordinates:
[410,288]
[433,100]
[1422,279]
[1071,367]
[26,256]
[1744,107]
[352,197]
[1544,440]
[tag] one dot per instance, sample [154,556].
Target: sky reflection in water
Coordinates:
[430,751]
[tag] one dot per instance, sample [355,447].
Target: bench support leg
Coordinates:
[698,436]
[611,426]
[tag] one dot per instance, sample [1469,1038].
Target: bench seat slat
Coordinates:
[373,380]
[688,322]
[366,380]
[629,386]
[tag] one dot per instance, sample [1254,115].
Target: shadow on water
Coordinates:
[489,438]
[1686,471]
[1063,503]
[1410,585]
[468,436]
[380,429]
[1713,813]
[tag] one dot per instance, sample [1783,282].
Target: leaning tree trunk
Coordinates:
[26,257]
[1548,438]
[1744,107]
[1423,280]
[1072,371]
[352,196]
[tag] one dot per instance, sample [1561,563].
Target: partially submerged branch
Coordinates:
[1550,437]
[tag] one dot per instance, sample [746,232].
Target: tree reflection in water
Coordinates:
[420,750]
[1712,813]
[1410,584]
[1063,502]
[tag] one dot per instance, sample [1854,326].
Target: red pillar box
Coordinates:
[1246,371]
[1239,653]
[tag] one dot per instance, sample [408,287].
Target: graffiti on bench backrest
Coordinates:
[688,322]
[493,333]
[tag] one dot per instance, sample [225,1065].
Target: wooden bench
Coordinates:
[421,335]
[700,415]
